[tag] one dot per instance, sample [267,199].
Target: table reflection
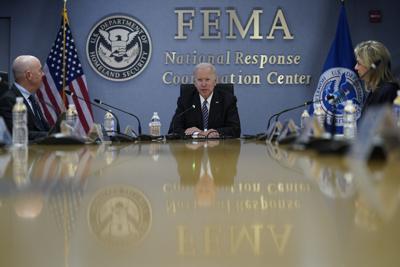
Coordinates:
[206,165]
[194,204]
[372,186]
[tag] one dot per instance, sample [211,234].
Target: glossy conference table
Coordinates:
[184,203]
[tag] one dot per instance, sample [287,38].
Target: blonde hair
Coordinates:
[373,54]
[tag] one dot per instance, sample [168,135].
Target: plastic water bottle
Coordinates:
[349,120]
[319,114]
[72,117]
[396,109]
[155,125]
[109,124]
[305,116]
[20,121]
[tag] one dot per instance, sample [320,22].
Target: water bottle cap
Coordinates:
[349,102]
[20,99]
[398,92]
[71,106]
[108,115]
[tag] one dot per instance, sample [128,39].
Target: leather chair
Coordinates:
[3,82]
[188,88]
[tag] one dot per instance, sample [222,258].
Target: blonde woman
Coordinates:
[373,67]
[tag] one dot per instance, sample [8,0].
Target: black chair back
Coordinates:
[189,88]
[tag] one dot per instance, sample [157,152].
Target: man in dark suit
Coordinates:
[28,79]
[215,113]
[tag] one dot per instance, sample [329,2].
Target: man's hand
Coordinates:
[191,130]
[211,133]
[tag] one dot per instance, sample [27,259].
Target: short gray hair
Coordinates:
[21,64]
[205,65]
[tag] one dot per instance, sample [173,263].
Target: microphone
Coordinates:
[70,93]
[123,111]
[172,134]
[337,97]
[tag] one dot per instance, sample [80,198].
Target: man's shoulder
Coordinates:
[224,95]
[8,96]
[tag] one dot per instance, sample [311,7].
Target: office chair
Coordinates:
[188,88]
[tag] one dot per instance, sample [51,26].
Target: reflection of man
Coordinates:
[206,163]
[215,112]
[28,79]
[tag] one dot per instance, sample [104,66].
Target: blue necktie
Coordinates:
[204,110]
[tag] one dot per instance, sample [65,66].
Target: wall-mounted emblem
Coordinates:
[118,48]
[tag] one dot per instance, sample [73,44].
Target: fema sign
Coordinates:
[118,48]
[343,84]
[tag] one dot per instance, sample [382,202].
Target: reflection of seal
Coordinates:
[120,215]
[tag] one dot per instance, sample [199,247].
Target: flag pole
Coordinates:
[64,71]
[64,60]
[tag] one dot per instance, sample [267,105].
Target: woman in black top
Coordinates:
[373,67]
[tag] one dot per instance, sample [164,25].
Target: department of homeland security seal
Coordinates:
[118,48]
[120,215]
[343,84]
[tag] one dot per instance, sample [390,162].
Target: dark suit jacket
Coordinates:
[7,101]
[223,115]
[384,94]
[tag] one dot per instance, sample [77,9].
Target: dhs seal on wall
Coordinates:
[341,84]
[118,48]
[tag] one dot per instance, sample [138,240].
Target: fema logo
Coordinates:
[118,48]
[343,84]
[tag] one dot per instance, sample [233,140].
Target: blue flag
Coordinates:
[338,81]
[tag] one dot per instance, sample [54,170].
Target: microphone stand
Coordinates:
[333,126]
[276,115]
[60,116]
[117,138]
[173,135]
[123,111]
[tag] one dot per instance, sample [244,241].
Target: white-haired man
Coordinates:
[28,75]
[215,113]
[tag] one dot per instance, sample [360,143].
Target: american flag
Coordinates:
[51,92]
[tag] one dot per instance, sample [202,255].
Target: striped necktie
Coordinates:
[204,110]
[38,113]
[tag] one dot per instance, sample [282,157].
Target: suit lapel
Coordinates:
[197,113]
[215,109]
[31,115]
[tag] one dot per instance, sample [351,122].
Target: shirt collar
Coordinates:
[25,93]
[202,99]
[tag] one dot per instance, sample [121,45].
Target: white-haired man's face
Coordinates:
[205,81]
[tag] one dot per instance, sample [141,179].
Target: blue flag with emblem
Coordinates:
[338,81]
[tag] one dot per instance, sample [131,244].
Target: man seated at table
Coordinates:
[28,79]
[215,113]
